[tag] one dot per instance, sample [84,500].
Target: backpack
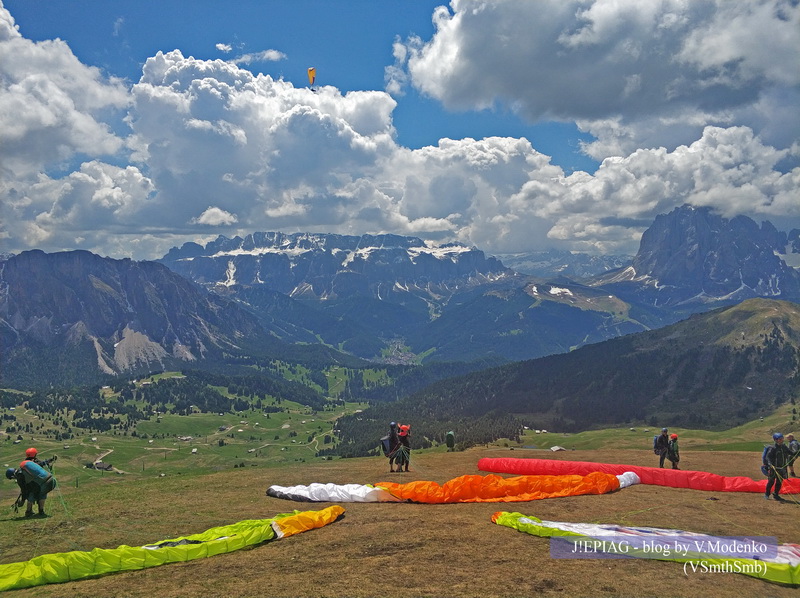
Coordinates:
[655,443]
[385,446]
[764,462]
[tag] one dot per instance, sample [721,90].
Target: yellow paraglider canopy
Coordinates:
[312,75]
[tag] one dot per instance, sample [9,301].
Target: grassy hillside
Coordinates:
[398,550]
[714,371]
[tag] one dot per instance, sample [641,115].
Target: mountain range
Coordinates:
[75,316]
[372,293]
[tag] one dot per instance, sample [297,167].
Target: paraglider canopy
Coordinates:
[312,75]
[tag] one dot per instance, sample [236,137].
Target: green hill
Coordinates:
[715,370]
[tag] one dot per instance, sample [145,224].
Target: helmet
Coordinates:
[393,425]
[31,453]
[10,473]
[673,436]
[777,436]
[664,430]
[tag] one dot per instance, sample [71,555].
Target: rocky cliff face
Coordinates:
[327,266]
[693,255]
[120,315]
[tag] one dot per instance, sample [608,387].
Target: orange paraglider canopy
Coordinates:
[494,488]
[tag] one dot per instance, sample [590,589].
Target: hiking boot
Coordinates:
[766,497]
[28,513]
[780,498]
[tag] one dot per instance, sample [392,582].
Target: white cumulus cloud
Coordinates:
[50,104]
[631,73]
[215,217]
[264,56]
[213,148]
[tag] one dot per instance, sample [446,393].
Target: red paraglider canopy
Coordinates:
[675,478]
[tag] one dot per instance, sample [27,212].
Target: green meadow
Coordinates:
[169,444]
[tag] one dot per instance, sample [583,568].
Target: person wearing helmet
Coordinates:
[777,458]
[661,446]
[32,454]
[35,480]
[673,454]
[403,458]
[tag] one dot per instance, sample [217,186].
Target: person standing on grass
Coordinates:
[777,459]
[794,448]
[394,446]
[404,450]
[662,446]
[673,454]
[38,481]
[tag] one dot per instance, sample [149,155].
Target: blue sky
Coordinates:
[572,123]
[350,44]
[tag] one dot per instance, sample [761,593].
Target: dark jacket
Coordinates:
[778,457]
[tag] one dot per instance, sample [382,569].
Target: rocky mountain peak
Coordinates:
[695,255]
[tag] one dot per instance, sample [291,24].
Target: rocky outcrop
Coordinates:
[693,255]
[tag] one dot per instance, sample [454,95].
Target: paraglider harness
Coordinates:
[658,447]
[766,466]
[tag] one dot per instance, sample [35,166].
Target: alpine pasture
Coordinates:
[169,490]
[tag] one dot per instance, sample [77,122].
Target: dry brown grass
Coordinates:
[400,550]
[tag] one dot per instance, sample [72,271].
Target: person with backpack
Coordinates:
[38,481]
[776,459]
[392,445]
[794,448]
[673,454]
[661,445]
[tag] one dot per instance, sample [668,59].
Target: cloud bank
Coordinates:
[684,106]
[634,74]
